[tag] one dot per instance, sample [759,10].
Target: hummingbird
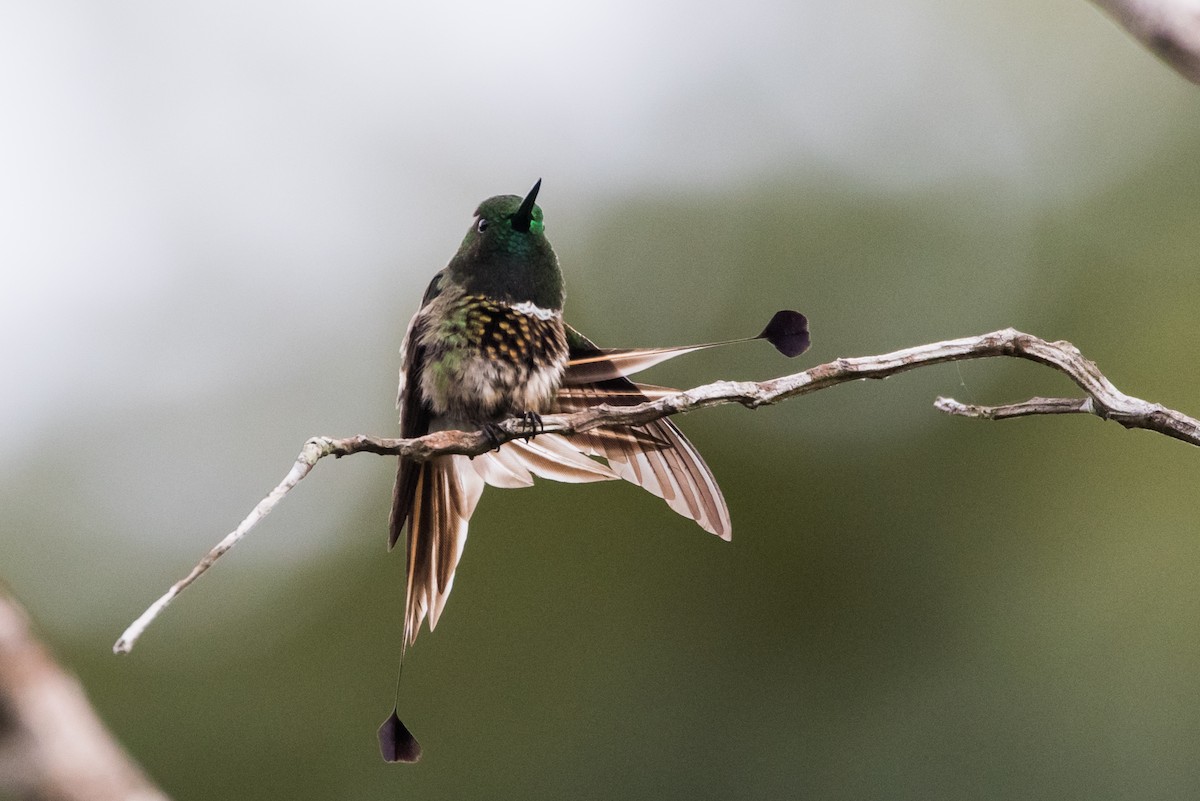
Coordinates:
[489,343]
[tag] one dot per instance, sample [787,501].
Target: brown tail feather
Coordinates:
[656,456]
[444,493]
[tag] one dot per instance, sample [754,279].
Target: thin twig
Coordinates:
[1102,399]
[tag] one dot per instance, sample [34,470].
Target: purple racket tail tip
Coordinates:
[396,742]
[788,332]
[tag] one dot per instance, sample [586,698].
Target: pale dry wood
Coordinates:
[1102,399]
[53,746]
[1169,28]
[1029,408]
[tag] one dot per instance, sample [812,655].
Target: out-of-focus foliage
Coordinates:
[206,263]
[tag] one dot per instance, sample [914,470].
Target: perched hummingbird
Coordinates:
[489,343]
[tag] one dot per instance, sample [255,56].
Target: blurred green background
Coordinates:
[218,219]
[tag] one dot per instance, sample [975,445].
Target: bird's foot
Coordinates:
[493,434]
[530,426]
[531,423]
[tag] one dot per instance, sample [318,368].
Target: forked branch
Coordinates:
[1101,399]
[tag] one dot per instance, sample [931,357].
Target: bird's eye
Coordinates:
[482,226]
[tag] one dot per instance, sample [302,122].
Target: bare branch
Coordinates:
[1023,409]
[53,747]
[1169,28]
[1102,399]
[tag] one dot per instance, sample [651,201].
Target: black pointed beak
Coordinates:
[523,216]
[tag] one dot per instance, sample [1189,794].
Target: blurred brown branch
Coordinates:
[1102,399]
[1169,28]
[53,747]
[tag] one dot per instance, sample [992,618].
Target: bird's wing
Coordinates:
[415,418]
[655,456]
[549,456]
